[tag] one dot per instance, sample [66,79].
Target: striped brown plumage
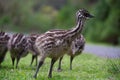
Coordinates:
[55,44]
[76,49]
[4,38]
[18,47]
[31,40]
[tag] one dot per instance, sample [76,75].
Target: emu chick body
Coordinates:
[76,49]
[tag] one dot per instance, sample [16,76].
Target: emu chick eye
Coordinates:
[86,14]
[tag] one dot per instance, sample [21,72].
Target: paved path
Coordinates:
[104,51]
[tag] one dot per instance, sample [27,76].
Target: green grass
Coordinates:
[85,67]
[114,66]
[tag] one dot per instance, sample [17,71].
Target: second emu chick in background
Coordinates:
[18,47]
[31,40]
[76,49]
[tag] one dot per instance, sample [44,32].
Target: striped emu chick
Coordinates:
[18,47]
[55,44]
[76,49]
[4,38]
[31,39]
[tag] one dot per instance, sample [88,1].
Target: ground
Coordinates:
[85,66]
[103,50]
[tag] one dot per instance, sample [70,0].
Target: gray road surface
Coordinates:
[103,51]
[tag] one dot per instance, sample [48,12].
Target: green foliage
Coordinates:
[4,20]
[105,26]
[39,21]
[22,16]
[112,25]
[113,3]
[66,17]
[102,10]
